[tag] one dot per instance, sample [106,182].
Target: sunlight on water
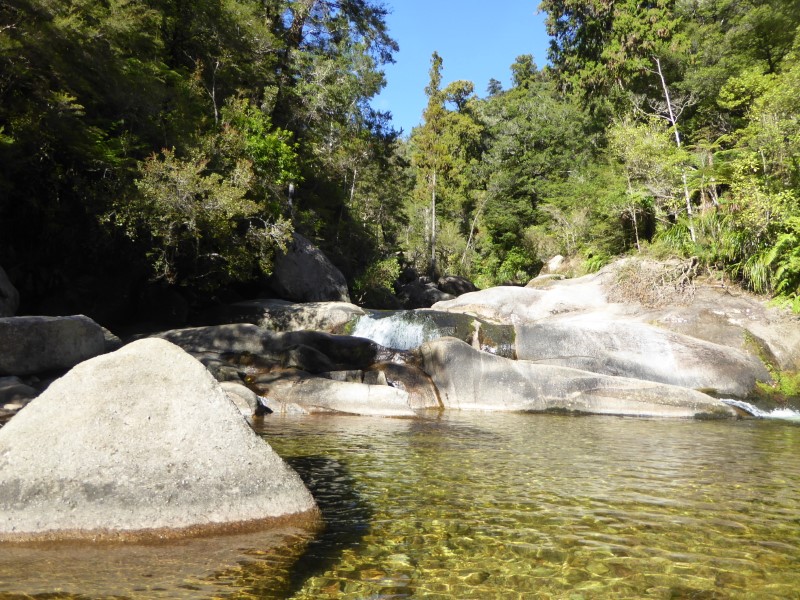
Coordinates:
[503,506]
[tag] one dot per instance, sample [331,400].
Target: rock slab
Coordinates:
[137,443]
[469,379]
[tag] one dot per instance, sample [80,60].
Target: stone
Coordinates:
[139,443]
[317,394]
[421,295]
[517,305]
[245,399]
[305,274]
[469,379]
[281,315]
[554,264]
[30,345]
[9,296]
[455,285]
[623,348]
[15,393]
[422,393]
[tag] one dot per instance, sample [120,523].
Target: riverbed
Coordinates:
[486,505]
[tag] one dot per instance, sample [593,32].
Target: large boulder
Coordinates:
[419,294]
[281,315]
[422,393]
[640,351]
[455,285]
[9,296]
[138,443]
[304,274]
[473,380]
[30,345]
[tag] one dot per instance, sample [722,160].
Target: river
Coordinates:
[486,505]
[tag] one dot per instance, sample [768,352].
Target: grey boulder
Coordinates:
[473,380]
[142,442]
[30,345]
[304,274]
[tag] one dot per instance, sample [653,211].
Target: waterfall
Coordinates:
[401,330]
[786,414]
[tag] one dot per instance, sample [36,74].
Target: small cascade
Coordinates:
[786,414]
[401,330]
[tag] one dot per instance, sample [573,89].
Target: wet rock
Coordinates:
[141,442]
[414,381]
[30,345]
[308,350]
[469,379]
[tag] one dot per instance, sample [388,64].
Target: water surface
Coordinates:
[475,505]
[480,505]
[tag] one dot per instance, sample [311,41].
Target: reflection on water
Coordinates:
[534,506]
[504,506]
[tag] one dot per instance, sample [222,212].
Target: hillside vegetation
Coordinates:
[182,142]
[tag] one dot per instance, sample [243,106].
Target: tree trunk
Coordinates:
[674,122]
[433,226]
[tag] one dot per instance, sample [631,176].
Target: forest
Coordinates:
[181,142]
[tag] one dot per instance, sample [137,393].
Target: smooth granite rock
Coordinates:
[141,442]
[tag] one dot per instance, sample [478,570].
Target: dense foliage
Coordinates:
[183,142]
[668,126]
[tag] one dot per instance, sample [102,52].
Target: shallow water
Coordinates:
[477,505]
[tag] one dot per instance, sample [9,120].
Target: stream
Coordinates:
[486,505]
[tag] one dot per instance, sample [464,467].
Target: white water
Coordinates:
[402,330]
[786,414]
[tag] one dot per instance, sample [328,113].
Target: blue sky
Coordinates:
[477,40]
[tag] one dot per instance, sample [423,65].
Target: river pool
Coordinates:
[486,505]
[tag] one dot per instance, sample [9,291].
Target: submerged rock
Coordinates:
[142,442]
[469,379]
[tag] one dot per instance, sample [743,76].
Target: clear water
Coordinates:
[511,506]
